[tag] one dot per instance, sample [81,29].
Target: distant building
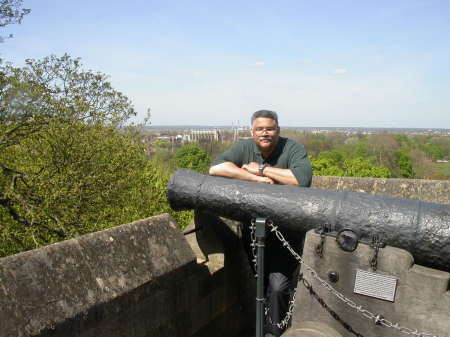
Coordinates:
[197,135]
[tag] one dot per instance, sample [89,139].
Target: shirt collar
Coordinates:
[275,152]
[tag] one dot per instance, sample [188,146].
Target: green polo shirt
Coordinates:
[287,155]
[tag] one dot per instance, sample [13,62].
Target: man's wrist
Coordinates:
[261,169]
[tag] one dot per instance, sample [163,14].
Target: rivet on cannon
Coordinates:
[333,276]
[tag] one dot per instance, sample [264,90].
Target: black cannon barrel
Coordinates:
[422,228]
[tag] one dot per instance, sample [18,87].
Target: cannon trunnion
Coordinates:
[422,228]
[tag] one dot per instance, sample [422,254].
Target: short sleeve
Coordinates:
[235,155]
[300,165]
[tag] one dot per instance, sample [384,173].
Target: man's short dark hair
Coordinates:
[265,114]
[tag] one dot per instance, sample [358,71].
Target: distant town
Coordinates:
[174,136]
[346,130]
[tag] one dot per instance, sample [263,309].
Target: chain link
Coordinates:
[376,318]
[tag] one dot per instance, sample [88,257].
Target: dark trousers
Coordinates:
[279,270]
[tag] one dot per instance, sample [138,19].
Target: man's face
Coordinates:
[265,133]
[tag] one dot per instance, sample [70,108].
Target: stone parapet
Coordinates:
[135,280]
[418,189]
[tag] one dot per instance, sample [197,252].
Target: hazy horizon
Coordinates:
[294,126]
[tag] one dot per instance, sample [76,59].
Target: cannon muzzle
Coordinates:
[422,228]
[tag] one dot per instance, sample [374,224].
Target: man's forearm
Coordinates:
[230,170]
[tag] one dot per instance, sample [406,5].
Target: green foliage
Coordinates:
[326,167]
[334,163]
[363,168]
[334,156]
[164,160]
[67,167]
[56,88]
[163,144]
[111,182]
[405,165]
[435,151]
[361,149]
[75,179]
[158,178]
[327,164]
[404,139]
[192,157]
[213,147]
[435,147]
[442,171]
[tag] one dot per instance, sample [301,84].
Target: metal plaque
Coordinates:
[375,285]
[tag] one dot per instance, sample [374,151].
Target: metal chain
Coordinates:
[327,308]
[376,243]
[319,247]
[285,321]
[376,318]
[253,245]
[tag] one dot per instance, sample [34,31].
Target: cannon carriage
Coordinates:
[412,253]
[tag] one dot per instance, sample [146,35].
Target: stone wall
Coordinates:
[419,189]
[135,280]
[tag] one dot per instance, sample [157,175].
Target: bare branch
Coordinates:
[7,203]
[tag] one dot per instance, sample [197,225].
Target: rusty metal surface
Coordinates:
[421,228]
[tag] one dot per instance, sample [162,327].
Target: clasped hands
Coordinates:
[253,168]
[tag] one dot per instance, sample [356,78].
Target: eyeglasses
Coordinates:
[270,129]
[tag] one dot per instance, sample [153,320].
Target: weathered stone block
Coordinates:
[417,189]
[94,278]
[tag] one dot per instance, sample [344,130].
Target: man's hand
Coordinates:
[252,167]
[265,180]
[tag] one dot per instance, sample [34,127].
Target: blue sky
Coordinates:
[317,63]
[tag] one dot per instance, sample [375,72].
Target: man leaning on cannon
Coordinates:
[271,159]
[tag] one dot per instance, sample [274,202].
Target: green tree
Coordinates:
[326,167]
[334,156]
[56,87]
[163,144]
[328,164]
[405,165]
[192,157]
[382,151]
[67,164]
[335,163]
[360,167]
[361,149]
[436,151]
